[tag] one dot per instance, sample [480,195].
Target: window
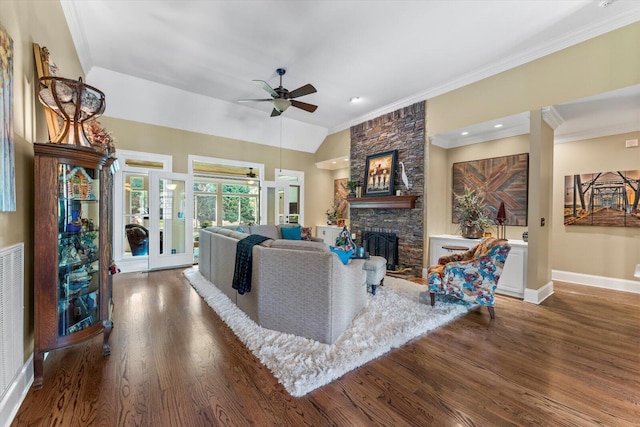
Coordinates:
[237,202]
[240,204]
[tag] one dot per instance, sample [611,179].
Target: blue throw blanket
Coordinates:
[242,272]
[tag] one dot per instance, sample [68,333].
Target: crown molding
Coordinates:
[620,20]
[444,142]
[598,132]
[551,117]
[78,35]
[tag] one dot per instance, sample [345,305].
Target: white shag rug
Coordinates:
[399,312]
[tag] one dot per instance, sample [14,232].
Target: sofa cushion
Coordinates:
[291,233]
[300,245]
[269,231]
[225,231]
[344,255]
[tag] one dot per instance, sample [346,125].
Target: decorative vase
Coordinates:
[472,232]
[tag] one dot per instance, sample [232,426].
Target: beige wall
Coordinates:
[29,22]
[599,65]
[336,145]
[180,144]
[502,147]
[602,64]
[600,251]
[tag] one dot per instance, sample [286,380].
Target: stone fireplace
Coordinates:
[402,130]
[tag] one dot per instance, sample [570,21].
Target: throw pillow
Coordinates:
[291,233]
[345,256]
[305,234]
[239,229]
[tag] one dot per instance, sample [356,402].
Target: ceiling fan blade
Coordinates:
[301,91]
[264,85]
[304,106]
[275,113]
[255,100]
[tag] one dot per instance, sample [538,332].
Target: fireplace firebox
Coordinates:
[382,243]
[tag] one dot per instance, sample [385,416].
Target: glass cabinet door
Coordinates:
[78,248]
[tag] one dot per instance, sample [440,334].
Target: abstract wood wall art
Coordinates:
[500,179]
[340,193]
[7,156]
[602,199]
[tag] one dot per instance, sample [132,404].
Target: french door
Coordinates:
[282,202]
[170,220]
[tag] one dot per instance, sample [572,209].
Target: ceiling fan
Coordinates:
[251,175]
[282,98]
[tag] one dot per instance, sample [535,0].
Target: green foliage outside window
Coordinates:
[237,209]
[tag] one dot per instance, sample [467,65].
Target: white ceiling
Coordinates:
[186,63]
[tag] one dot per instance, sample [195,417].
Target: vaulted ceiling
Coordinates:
[186,63]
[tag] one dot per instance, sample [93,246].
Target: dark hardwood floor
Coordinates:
[572,361]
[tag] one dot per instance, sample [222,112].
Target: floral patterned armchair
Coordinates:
[472,275]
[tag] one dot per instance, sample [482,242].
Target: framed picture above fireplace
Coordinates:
[379,174]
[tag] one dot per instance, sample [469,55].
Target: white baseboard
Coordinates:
[536,296]
[597,281]
[16,393]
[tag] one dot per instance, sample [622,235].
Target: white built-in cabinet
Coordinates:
[328,233]
[514,276]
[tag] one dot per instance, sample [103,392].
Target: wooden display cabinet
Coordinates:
[73,250]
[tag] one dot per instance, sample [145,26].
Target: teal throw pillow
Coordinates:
[291,233]
[344,256]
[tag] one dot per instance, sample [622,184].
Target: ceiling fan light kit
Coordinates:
[282,99]
[251,175]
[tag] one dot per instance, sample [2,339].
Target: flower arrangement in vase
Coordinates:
[471,213]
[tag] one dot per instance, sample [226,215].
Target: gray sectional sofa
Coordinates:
[298,287]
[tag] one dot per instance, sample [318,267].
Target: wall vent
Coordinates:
[11,315]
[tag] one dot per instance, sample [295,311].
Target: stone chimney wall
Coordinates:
[402,130]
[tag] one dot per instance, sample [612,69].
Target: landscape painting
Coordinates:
[606,199]
[7,169]
[499,179]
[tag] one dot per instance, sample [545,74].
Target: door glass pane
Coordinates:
[294,203]
[281,206]
[172,217]
[135,214]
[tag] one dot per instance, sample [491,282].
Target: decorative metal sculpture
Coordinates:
[75,103]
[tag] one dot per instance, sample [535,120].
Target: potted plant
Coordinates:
[352,186]
[472,215]
[332,215]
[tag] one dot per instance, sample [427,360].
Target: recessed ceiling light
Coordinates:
[346,160]
[354,99]
[465,133]
[497,126]
[333,163]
